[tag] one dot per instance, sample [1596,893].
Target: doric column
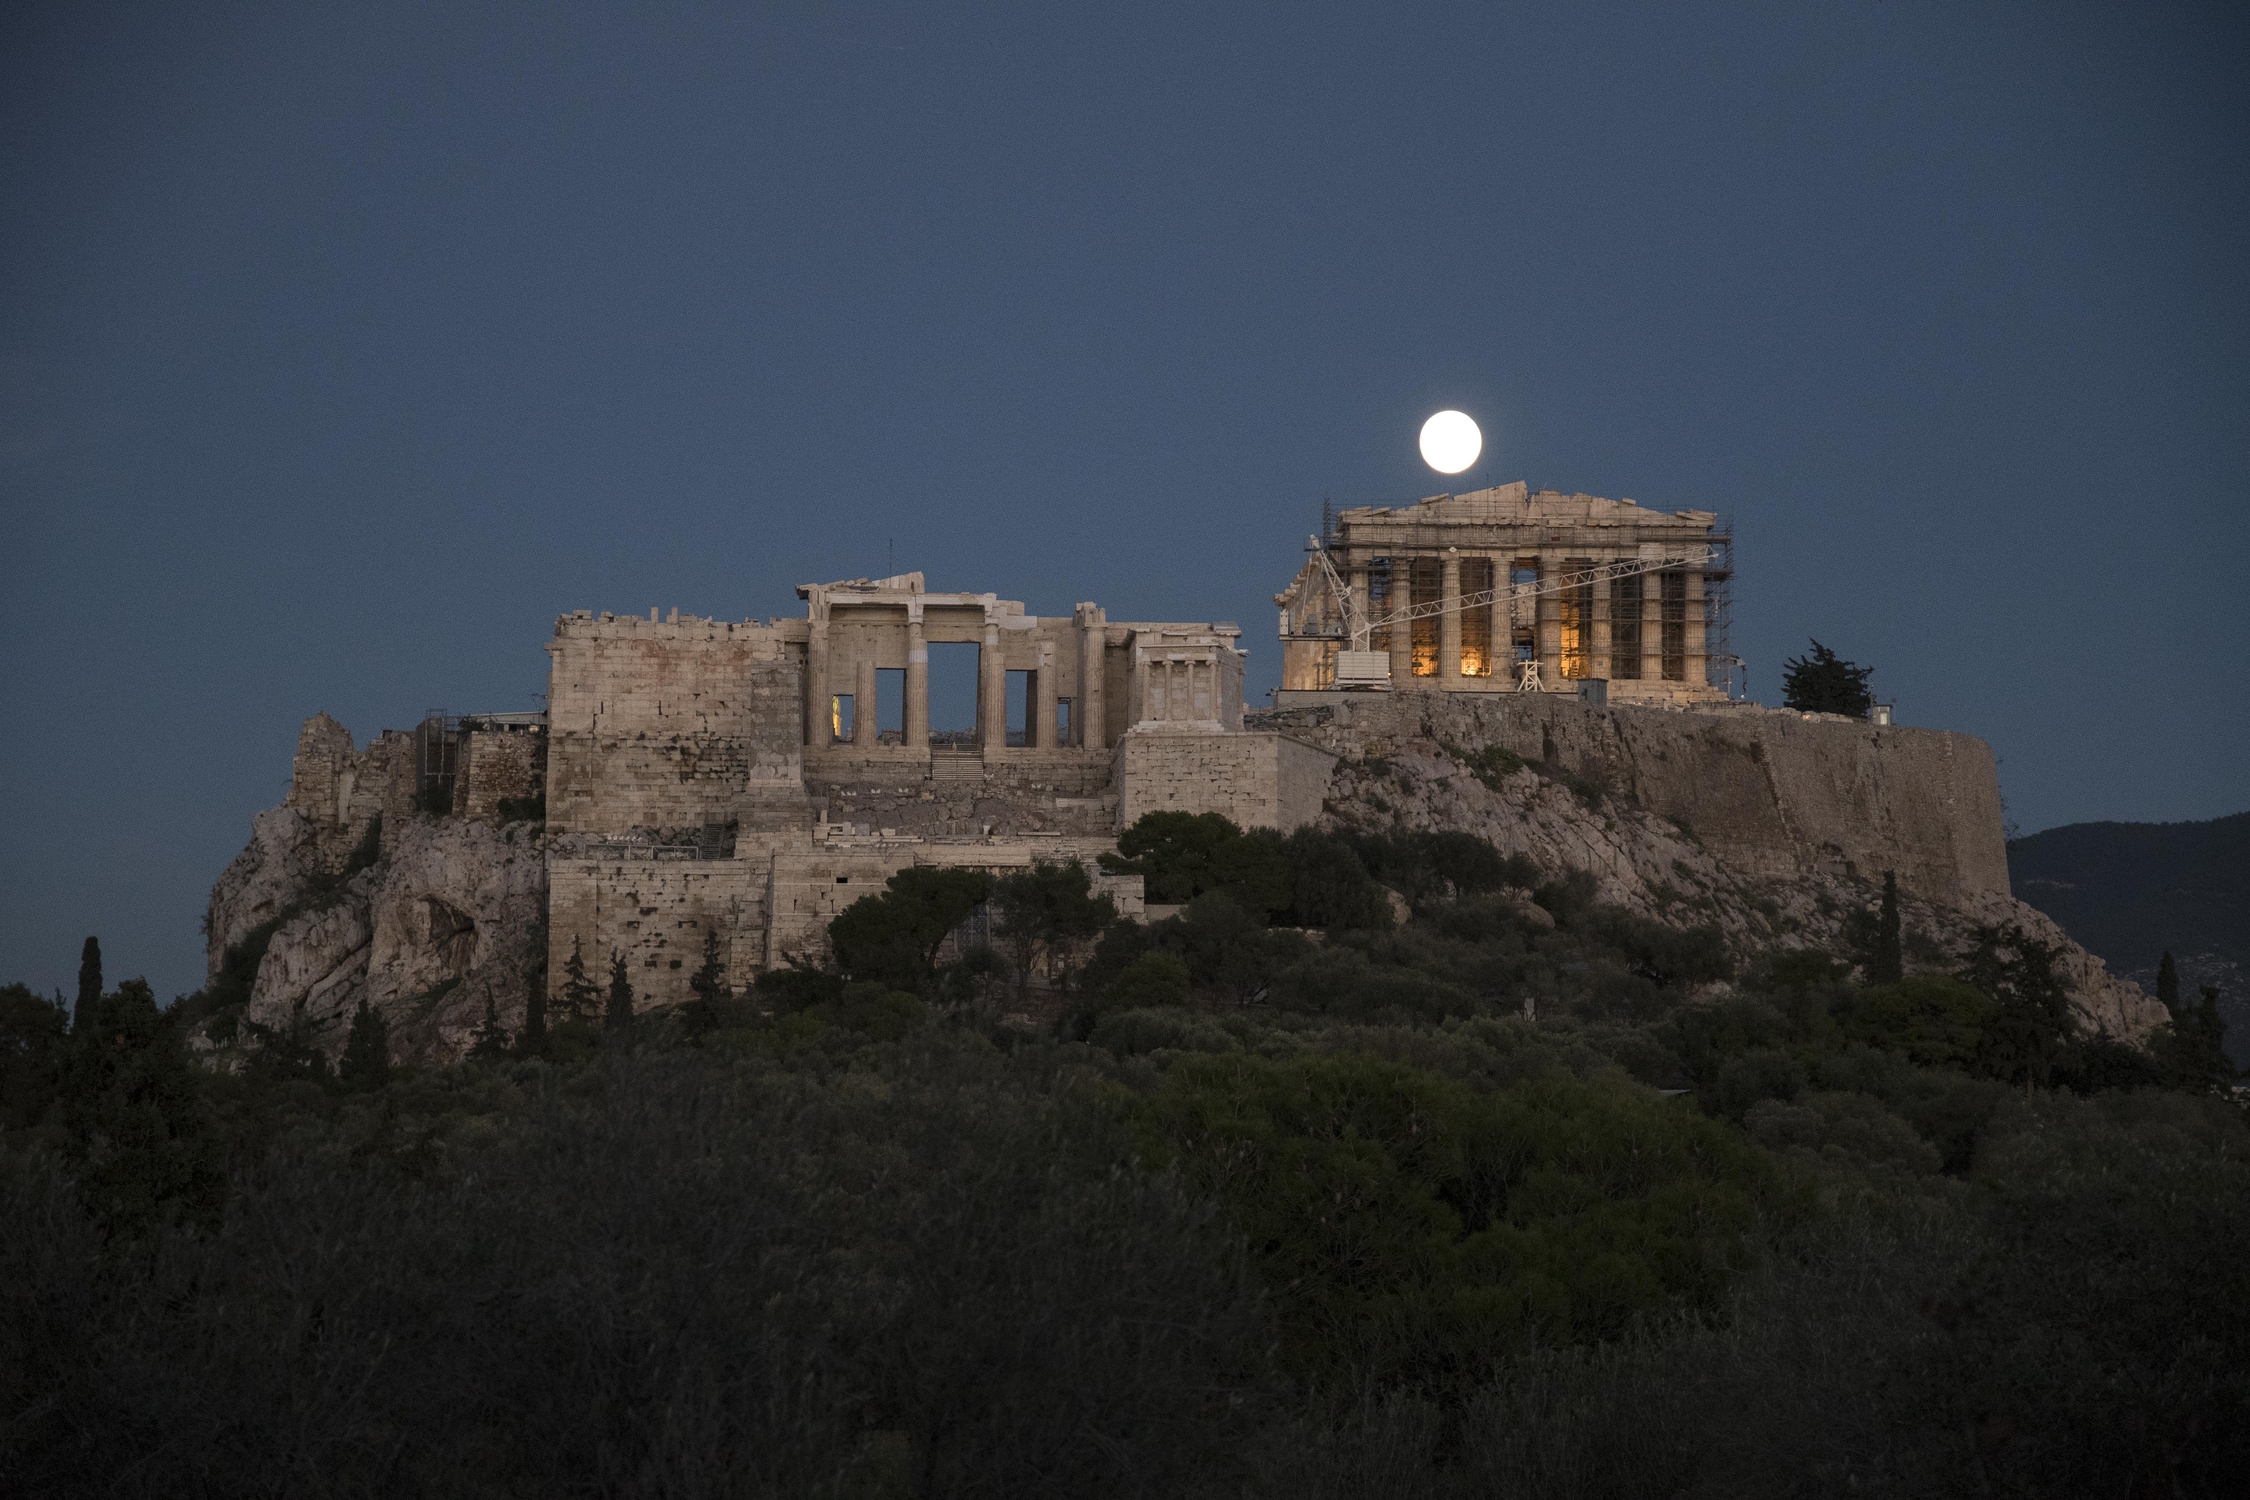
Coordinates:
[1041,729]
[1449,623]
[1088,716]
[1140,706]
[1503,653]
[1697,661]
[863,703]
[1402,631]
[816,672]
[1652,626]
[992,682]
[1597,652]
[917,682]
[1548,630]
[1355,583]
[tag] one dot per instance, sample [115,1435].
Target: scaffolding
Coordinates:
[1319,607]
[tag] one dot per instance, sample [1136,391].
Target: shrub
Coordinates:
[1936,1021]
[1412,1229]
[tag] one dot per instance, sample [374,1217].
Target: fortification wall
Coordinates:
[656,912]
[1258,779]
[669,724]
[1772,793]
[342,790]
[497,767]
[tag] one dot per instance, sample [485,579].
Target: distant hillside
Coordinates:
[2129,891]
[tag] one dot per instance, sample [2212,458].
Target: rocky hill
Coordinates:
[1774,827]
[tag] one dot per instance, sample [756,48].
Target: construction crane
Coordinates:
[1357,665]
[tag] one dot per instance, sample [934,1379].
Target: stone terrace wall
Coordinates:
[657,911]
[1771,792]
[342,790]
[669,725]
[497,766]
[1260,780]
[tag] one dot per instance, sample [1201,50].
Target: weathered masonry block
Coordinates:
[1259,780]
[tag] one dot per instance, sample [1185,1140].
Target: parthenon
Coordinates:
[1503,590]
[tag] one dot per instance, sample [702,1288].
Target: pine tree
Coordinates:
[1823,683]
[619,1016]
[366,1065]
[2168,984]
[532,1040]
[578,992]
[492,1038]
[88,1013]
[1890,958]
[709,982]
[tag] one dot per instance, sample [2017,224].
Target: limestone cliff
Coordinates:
[422,916]
[1772,825]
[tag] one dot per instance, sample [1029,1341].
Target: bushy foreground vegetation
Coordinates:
[1292,1193]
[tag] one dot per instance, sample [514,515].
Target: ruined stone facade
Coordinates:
[737,779]
[1477,587]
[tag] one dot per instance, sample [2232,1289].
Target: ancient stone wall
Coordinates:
[657,912]
[1260,780]
[498,766]
[1060,792]
[1773,793]
[672,724]
[342,790]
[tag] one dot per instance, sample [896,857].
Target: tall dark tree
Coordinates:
[619,1015]
[579,992]
[1889,965]
[89,987]
[31,1053]
[709,982]
[1824,683]
[366,1064]
[533,1041]
[2168,984]
[2032,1021]
[134,1119]
[491,1044]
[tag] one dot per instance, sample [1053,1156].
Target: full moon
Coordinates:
[1450,442]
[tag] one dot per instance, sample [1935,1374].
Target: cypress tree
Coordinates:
[492,1038]
[578,991]
[709,982]
[619,1016]
[1890,957]
[366,1064]
[88,1013]
[2167,984]
[532,1040]
[1823,682]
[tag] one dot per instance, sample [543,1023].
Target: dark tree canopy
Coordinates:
[1821,682]
[1180,856]
[893,938]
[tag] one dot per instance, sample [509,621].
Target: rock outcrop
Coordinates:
[1771,827]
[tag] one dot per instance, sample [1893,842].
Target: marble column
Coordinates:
[917,682]
[864,722]
[1042,711]
[992,695]
[1503,650]
[1402,631]
[816,673]
[1449,623]
[1088,716]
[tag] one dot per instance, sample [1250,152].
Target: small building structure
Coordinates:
[1506,590]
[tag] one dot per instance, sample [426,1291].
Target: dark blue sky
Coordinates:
[343,347]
